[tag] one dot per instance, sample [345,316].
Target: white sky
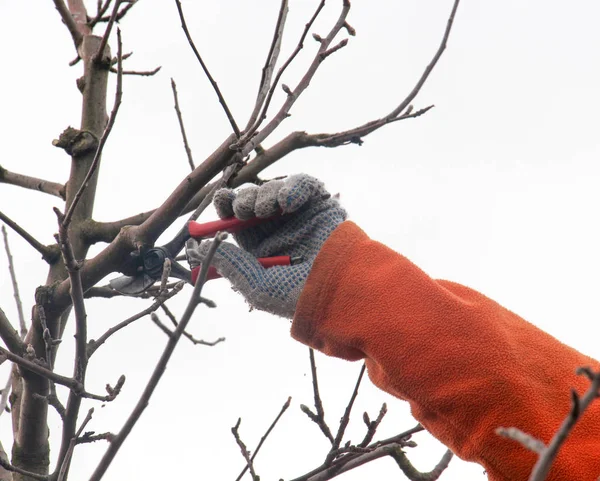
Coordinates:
[495,188]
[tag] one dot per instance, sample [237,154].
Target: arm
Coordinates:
[465,364]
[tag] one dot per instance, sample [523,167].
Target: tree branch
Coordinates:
[68,20]
[250,131]
[161,365]
[93,345]
[244,450]
[10,336]
[413,474]
[32,183]
[270,63]
[547,454]
[346,417]
[212,81]
[284,408]
[15,284]
[15,469]
[99,57]
[249,141]
[186,145]
[49,253]
[319,417]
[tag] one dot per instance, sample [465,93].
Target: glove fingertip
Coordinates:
[266,199]
[244,203]
[223,202]
[298,190]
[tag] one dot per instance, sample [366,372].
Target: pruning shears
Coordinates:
[149,265]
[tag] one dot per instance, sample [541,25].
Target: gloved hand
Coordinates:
[309,215]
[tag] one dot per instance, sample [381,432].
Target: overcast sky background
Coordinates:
[496,188]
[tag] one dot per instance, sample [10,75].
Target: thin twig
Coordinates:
[49,254]
[156,320]
[90,437]
[244,450]
[284,408]
[192,339]
[122,13]
[113,17]
[15,284]
[105,134]
[354,135]
[65,465]
[547,454]
[249,141]
[186,145]
[93,345]
[270,63]
[234,126]
[372,425]
[353,460]
[250,132]
[346,417]
[412,473]
[319,417]
[161,365]
[140,73]
[101,10]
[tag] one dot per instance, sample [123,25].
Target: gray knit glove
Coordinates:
[309,215]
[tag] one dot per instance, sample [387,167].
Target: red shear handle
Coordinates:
[265,262]
[230,224]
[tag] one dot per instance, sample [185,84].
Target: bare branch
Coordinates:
[271,62]
[192,339]
[547,454]
[32,183]
[122,13]
[372,425]
[67,18]
[15,284]
[346,417]
[414,475]
[354,135]
[234,126]
[249,132]
[161,365]
[284,408]
[49,253]
[353,460]
[9,467]
[93,345]
[526,440]
[156,320]
[105,134]
[140,73]
[244,450]
[10,336]
[186,145]
[36,368]
[100,55]
[249,141]
[62,474]
[102,9]
[319,417]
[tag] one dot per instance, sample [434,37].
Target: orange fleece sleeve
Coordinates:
[464,363]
